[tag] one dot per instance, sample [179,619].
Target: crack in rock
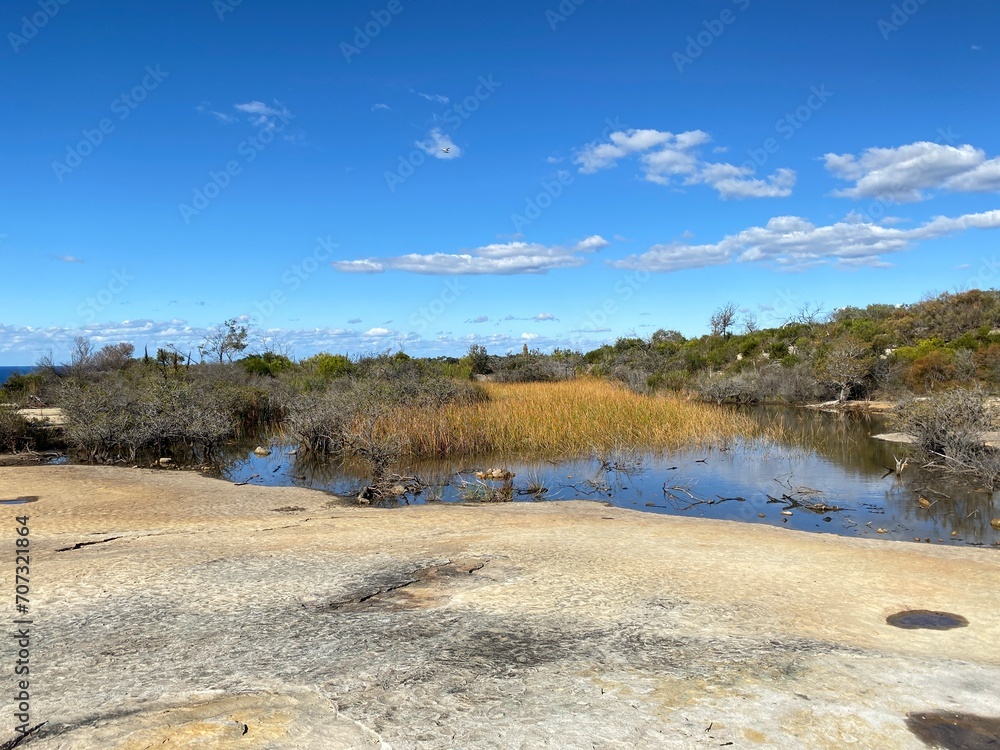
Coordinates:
[81,545]
[424,578]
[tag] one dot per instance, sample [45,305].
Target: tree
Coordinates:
[810,314]
[662,336]
[114,357]
[81,357]
[846,364]
[225,340]
[478,359]
[723,320]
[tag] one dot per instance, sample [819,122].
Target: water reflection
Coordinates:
[824,474]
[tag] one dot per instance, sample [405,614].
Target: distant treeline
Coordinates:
[890,350]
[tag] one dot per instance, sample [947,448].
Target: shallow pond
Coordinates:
[826,474]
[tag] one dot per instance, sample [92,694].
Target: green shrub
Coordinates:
[268,364]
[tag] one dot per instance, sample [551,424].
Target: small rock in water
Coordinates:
[761,515]
[261,451]
[786,512]
[995,523]
[495,474]
[165,461]
[881,531]
[924,502]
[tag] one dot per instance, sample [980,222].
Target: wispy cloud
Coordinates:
[792,242]
[479,319]
[69,259]
[263,115]
[544,318]
[496,259]
[206,109]
[439,145]
[672,159]
[437,98]
[380,107]
[904,174]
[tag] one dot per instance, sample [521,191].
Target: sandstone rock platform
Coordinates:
[172,610]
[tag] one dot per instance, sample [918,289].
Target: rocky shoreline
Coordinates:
[178,611]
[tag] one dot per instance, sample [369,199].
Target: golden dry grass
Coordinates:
[564,419]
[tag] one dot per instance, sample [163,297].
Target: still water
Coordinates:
[825,474]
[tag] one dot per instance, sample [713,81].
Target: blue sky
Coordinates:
[612,167]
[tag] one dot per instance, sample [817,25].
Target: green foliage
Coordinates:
[923,348]
[268,364]
[477,359]
[329,366]
[18,387]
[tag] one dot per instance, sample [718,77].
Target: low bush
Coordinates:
[948,429]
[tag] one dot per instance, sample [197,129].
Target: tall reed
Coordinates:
[569,418]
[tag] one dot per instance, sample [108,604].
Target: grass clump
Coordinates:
[569,418]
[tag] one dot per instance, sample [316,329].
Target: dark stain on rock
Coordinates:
[500,652]
[23,737]
[923,619]
[954,731]
[387,591]
[722,660]
[20,500]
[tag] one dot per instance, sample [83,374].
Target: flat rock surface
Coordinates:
[991,439]
[171,611]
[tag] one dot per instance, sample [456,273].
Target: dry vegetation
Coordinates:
[558,419]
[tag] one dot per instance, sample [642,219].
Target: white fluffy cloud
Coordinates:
[671,159]
[439,145]
[904,174]
[794,242]
[500,259]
